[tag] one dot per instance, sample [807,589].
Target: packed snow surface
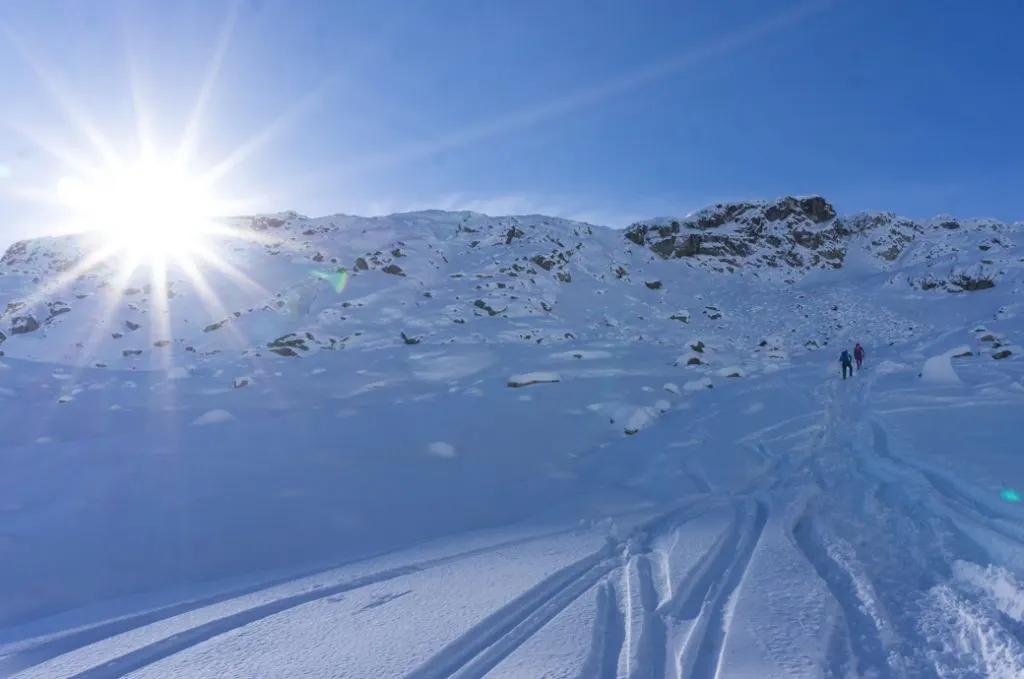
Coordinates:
[448,445]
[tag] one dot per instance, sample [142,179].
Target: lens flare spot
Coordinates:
[337,279]
[1010,495]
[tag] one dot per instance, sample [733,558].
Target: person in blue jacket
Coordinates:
[847,362]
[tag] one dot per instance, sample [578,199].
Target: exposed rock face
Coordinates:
[23,324]
[790,233]
[798,232]
[815,208]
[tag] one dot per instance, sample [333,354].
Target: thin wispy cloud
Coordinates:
[589,96]
[72,108]
[366,51]
[191,136]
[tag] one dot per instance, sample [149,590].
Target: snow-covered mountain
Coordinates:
[437,445]
[437,278]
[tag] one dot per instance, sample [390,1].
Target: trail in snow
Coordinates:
[875,538]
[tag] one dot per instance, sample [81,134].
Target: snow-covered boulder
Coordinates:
[639,419]
[698,385]
[527,379]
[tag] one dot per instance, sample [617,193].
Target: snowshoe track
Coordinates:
[862,640]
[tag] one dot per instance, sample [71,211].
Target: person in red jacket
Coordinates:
[858,355]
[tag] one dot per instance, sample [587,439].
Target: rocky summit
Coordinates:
[800,234]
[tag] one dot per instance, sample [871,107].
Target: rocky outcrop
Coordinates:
[798,232]
[802,234]
[21,325]
[957,280]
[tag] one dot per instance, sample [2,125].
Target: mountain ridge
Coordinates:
[293,285]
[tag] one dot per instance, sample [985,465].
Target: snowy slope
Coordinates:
[442,278]
[519,447]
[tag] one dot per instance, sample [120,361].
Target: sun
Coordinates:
[149,212]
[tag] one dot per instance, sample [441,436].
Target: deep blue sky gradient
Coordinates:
[607,110]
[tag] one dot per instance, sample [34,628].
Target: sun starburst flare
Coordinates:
[150,217]
[151,209]
[147,213]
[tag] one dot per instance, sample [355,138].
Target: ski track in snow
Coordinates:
[190,635]
[486,645]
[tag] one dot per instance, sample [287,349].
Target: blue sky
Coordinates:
[606,110]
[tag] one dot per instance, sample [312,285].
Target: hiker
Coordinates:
[847,362]
[858,355]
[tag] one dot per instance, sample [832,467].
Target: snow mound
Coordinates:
[690,359]
[641,418]
[213,417]
[698,385]
[887,367]
[527,379]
